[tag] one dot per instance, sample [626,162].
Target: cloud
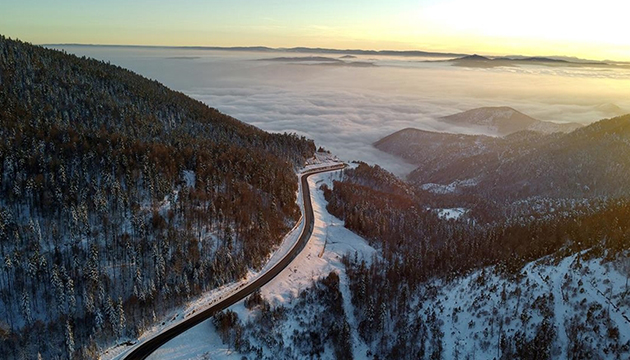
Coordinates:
[346,109]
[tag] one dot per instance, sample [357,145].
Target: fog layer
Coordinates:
[345,108]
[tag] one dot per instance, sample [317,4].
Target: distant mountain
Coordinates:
[505,120]
[438,153]
[500,120]
[306,50]
[593,161]
[474,57]
[569,59]
[610,109]
[428,149]
[490,62]
[231,48]
[121,199]
[319,60]
[303,59]
[533,59]
[369,52]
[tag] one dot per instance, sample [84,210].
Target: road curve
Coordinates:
[146,348]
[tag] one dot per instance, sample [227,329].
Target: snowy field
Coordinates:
[451,214]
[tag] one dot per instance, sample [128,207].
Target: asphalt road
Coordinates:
[146,348]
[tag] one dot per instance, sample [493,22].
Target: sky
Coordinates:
[586,29]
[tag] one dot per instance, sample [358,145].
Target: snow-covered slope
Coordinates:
[547,127]
[562,308]
[486,315]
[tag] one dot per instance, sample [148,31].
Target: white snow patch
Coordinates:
[449,188]
[322,158]
[189,178]
[451,214]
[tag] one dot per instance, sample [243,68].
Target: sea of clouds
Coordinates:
[346,108]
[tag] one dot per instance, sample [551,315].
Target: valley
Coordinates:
[138,222]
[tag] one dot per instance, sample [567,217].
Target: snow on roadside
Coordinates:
[116,352]
[330,241]
[211,297]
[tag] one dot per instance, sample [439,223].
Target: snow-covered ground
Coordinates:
[477,309]
[451,214]
[330,241]
[448,189]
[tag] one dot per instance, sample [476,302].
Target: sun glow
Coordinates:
[490,27]
[535,27]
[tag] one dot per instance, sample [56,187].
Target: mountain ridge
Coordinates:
[317,50]
[590,161]
[504,120]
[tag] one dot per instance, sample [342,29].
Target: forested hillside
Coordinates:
[590,162]
[447,288]
[550,281]
[313,326]
[120,199]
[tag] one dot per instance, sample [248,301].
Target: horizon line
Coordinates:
[354,51]
[267,48]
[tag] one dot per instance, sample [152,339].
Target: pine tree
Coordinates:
[69,339]
[58,290]
[70,296]
[26,307]
[98,320]
[122,321]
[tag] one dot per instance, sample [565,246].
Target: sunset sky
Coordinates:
[593,30]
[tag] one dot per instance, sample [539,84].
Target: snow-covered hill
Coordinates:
[565,308]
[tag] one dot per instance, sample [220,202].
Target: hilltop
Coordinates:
[504,120]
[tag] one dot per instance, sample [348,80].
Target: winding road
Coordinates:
[146,348]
